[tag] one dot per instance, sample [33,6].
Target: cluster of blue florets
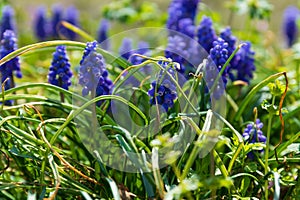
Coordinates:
[243,63]
[290,28]
[93,76]
[206,33]
[102,34]
[8,69]
[179,49]
[7,20]
[60,72]
[253,134]
[163,90]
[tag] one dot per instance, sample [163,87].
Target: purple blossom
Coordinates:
[243,64]
[125,49]
[163,91]
[7,70]
[102,34]
[7,21]
[227,36]
[93,75]
[60,72]
[206,33]
[41,24]
[71,16]
[253,134]
[290,29]
[57,14]
[182,15]
[217,58]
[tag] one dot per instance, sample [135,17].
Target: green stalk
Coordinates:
[267,149]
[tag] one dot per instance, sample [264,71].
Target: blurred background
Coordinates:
[154,14]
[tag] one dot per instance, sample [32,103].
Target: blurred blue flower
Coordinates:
[60,72]
[163,90]
[7,20]
[8,69]
[206,33]
[182,15]
[253,134]
[243,64]
[102,34]
[142,49]
[290,29]
[177,51]
[70,16]
[125,49]
[57,14]
[41,24]
[93,75]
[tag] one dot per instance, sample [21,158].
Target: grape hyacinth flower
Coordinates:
[142,49]
[290,29]
[125,49]
[71,16]
[227,36]
[253,134]
[90,47]
[163,91]
[8,45]
[93,75]
[60,72]
[181,9]
[102,34]
[186,26]
[176,51]
[244,64]
[7,21]
[206,33]
[218,55]
[41,26]
[57,14]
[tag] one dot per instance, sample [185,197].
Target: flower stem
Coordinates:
[268,148]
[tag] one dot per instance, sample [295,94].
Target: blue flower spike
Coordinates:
[60,72]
